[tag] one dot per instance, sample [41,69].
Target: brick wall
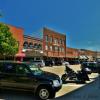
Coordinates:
[18,35]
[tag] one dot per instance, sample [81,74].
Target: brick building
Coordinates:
[32,43]
[87,54]
[54,43]
[71,53]
[18,34]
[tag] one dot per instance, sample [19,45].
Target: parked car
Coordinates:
[65,62]
[39,63]
[91,67]
[27,76]
[57,62]
[48,63]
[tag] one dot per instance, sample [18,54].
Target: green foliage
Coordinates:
[8,45]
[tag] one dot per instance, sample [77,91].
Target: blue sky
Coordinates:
[78,19]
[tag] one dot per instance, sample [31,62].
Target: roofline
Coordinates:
[12,25]
[28,36]
[54,31]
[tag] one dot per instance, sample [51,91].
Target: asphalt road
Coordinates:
[90,91]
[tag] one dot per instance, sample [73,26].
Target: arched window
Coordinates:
[35,45]
[30,45]
[25,45]
[39,46]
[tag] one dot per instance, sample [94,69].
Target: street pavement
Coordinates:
[90,91]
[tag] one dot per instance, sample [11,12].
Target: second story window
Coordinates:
[62,49]
[56,48]
[30,45]
[46,38]
[35,45]
[46,47]
[50,48]
[50,39]
[40,46]
[25,45]
[56,41]
[63,42]
[60,41]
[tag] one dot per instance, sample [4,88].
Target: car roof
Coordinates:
[18,62]
[89,62]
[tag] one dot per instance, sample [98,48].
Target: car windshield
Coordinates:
[35,69]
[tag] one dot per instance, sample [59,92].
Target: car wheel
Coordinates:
[43,93]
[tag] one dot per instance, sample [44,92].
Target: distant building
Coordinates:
[87,54]
[32,43]
[71,53]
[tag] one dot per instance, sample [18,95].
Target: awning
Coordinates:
[83,57]
[33,53]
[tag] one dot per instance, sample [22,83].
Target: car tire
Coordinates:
[44,93]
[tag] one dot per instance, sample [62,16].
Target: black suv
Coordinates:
[27,76]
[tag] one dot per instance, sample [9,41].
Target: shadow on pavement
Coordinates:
[90,91]
[16,95]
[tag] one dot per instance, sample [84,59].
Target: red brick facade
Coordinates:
[54,43]
[71,53]
[18,35]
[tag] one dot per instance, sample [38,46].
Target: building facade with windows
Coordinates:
[71,53]
[32,43]
[54,43]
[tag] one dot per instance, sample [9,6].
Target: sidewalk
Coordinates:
[90,91]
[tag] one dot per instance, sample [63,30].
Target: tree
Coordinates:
[8,44]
